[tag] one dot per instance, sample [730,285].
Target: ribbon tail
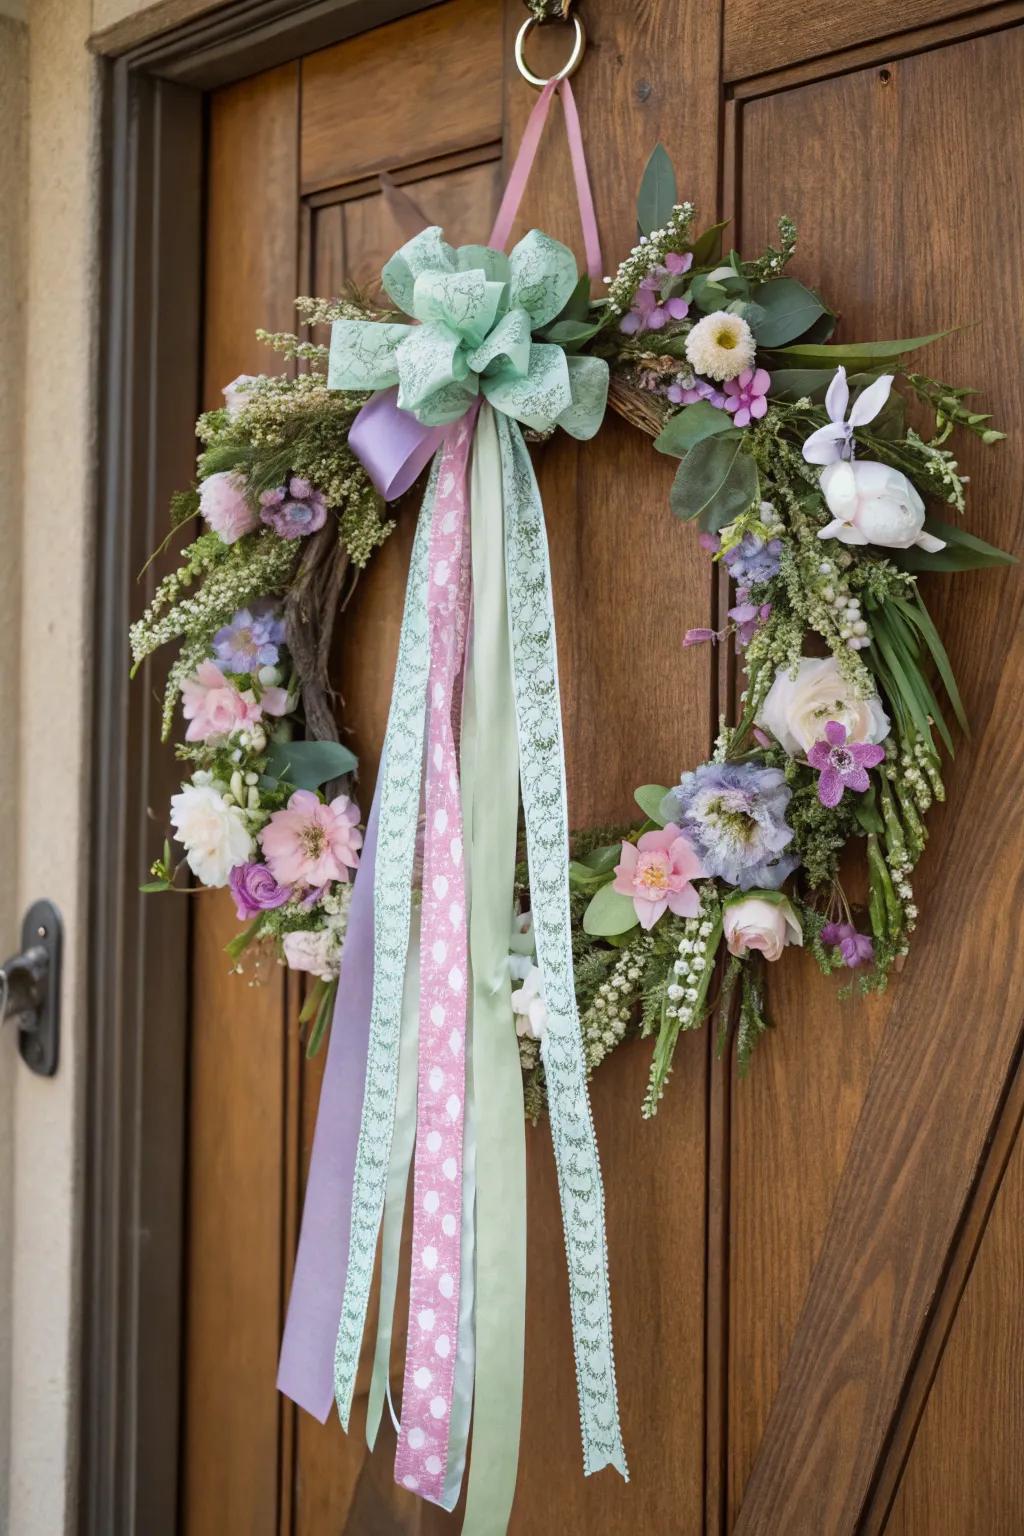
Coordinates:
[311,1325]
[392,446]
[542,774]
[490,760]
[392,905]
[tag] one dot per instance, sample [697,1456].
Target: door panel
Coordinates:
[778,1245]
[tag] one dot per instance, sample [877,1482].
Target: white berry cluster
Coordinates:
[835,590]
[608,1017]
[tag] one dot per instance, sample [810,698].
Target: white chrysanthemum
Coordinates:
[214,834]
[720,346]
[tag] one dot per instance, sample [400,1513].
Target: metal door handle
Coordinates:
[30,988]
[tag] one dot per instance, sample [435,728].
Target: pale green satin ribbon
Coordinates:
[538,713]
[490,772]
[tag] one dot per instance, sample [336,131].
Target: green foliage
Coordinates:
[308,764]
[788,310]
[716,482]
[691,425]
[855,356]
[657,195]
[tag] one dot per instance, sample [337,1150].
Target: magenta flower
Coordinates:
[855,948]
[311,843]
[255,890]
[648,312]
[656,872]
[842,764]
[214,707]
[746,395]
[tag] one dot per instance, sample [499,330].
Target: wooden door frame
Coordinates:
[148,387]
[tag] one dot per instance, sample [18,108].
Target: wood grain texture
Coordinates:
[757,39]
[796,1113]
[237,1054]
[892,1218]
[402,93]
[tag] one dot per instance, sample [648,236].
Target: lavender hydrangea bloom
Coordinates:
[735,814]
[251,640]
[295,510]
[753,559]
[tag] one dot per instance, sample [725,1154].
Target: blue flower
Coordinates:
[251,640]
[735,814]
[753,559]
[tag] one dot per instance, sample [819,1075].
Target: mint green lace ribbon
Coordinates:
[477,311]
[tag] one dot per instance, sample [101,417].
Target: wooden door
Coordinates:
[816,1270]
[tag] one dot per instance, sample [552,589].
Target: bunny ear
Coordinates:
[825,444]
[838,396]
[870,401]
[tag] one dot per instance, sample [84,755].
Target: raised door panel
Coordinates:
[903,247]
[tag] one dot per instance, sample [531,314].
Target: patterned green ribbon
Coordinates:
[542,774]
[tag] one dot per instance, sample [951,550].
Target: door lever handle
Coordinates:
[30,988]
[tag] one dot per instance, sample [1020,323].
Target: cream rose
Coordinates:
[314,950]
[214,833]
[757,923]
[798,707]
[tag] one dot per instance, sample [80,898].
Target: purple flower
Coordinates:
[855,948]
[295,510]
[700,389]
[753,559]
[748,618]
[700,636]
[251,640]
[649,313]
[735,815]
[255,890]
[842,764]
[747,395]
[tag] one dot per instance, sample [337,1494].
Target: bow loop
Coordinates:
[428,251]
[508,346]
[466,302]
[542,276]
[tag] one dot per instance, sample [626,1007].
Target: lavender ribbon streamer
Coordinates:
[306,1368]
[392,445]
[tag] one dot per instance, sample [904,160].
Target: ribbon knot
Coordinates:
[477,312]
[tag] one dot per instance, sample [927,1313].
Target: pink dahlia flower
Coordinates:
[311,843]
[657,872]
[222,503]
[214,707]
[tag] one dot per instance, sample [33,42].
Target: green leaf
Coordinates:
[964,551]
[852,354]
[707,295]
[571,334]
[715,482]
[590,873]
[918,615]
[707,248]
[577,305]
[690,425]
[657,195]
[649,797]
[308,764]
[241,941]
[866,811]
[154,885]
[323,1018]
[790,309]
[604,859]
[609,915]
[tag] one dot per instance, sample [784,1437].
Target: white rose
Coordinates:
[873,504]
[798,708]
[755,923]
[314,950]
[529,1006]
[215,836]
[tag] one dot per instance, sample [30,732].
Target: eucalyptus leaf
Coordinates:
[657,195]
[708,295]
[571,334]
[707,247]
[609,915]
[852,354]
[308,764]
[789,309]
[715,482]
[690,425]
[649,798]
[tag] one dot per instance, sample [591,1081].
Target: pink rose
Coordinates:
[222,503]
[311,843]
[754,922]
[657,872]
[214,707]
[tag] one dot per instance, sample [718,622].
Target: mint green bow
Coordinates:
[477,310]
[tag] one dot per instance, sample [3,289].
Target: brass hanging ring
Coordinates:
[579,44]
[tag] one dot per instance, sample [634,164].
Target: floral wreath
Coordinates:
[805,481]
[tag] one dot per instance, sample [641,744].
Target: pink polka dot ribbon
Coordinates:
[422,1457]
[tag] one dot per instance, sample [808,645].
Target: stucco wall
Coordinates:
[51,221]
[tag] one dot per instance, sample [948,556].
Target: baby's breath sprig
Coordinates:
[649,251]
